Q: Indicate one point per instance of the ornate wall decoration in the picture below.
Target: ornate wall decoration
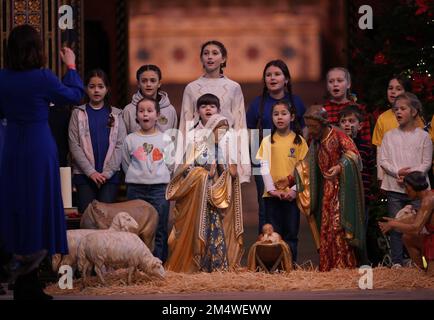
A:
(171, 38)
(43, 15)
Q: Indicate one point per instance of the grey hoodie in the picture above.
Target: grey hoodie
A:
(168, 118)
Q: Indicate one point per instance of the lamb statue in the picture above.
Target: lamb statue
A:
(121, 222)
(408, 214)
(99, 215)
(116, 249)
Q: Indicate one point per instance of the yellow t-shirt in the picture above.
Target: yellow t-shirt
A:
(385, 122)
(282, 155)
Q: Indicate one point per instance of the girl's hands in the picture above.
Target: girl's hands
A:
(67, 56)
(289, 196)
(400, 181)
(401, 174)
(98, 178)
(276, 194)
(404, 171)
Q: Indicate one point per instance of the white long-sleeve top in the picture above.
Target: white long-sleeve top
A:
(401, 149)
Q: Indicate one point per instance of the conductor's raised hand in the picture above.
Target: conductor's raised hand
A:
(67, 56)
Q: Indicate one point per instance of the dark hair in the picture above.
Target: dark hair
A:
(150, 67)
(282, 66)
(222, 50)
(403, 81)
(154, 101)
(352, 109)
(416, 180)
(296, 124)
(24, 49)
(208, 98)
(103, 76)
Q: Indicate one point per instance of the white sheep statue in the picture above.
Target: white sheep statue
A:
(99, 215)
(118, 250)
(121, 222)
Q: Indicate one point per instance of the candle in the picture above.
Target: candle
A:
(66, 185)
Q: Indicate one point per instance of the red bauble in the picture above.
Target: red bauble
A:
(380, 58)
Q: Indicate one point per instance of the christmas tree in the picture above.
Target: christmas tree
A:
(400, 42)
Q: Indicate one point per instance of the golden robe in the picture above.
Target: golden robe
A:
(197, 196)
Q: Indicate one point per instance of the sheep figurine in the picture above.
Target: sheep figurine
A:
(121, 222)
(99, 215)
(116, 249)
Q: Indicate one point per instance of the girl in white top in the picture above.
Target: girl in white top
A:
(213, 56)
(403, 150)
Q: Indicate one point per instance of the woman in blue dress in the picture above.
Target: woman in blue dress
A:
(31, 209)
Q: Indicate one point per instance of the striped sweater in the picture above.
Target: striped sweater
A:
(333, 110)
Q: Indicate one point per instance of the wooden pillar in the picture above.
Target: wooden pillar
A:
(122, 52)
(43, 16)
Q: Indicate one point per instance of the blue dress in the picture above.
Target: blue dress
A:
(31, 209)
(215, 257)
(2, 136)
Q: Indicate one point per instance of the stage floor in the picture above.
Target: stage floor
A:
(418, 294)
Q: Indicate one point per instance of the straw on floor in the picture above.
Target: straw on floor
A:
(305, 279)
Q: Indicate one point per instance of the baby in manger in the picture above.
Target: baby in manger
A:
(268, 235)
(269, 253)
